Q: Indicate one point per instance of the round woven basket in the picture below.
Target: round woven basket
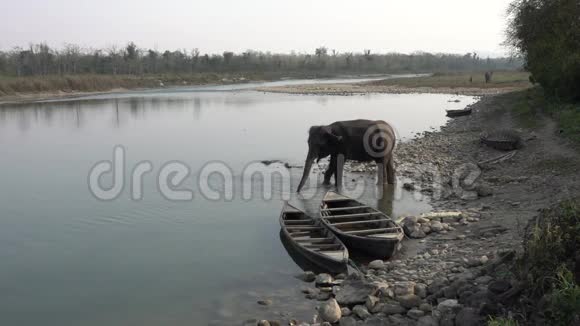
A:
(505, 140)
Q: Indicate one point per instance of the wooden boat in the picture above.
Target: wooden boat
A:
(313, 240)
(505, 140)
(360, 227)
(458, 113)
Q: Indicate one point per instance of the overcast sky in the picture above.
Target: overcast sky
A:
(213, 26)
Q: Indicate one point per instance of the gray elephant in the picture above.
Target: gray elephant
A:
(358, 140)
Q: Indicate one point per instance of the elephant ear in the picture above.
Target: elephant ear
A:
(333, 138)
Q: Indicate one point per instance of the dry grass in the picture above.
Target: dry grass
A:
(500, 79)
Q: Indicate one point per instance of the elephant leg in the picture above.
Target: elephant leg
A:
(339, 170)
(330, 171)
(381, 172)
(390, 170)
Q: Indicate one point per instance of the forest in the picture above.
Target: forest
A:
(42, 60)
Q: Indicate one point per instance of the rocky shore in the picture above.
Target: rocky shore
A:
(482, 198)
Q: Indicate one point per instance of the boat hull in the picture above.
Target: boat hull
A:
(310, 261)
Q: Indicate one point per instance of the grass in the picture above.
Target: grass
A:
(565, 300)
(529, 104)
(500, 79)
(10, 86)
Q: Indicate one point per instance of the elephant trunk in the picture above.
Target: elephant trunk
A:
(307, 167)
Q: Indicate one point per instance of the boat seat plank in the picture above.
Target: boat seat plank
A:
(344, 208)
(313, 240)
(336, 254)
(352, 215)
(371, 231)
(301, 222)
(322, 246)
(304, 228)
(362, 222)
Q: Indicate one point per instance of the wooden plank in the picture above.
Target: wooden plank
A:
(322, 246)
(332, 196)
(370, 231)
(343, 208)
(313, 240)
(387, 235)
(303, 228)
(352, 215)
(362, 222)
(294, 222)
(300, 234)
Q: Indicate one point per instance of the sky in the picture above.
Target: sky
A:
(214, 26)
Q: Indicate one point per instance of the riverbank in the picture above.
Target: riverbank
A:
(24, 89)
(462, 84)
(460, 272)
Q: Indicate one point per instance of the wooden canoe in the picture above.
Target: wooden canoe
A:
(360, 227)
(458, 113)
(313, 240)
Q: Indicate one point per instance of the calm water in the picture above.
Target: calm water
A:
(67, 258)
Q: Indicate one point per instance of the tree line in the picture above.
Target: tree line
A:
(42, 60)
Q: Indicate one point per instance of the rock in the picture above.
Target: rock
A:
(274, 323)
(393, 309)
(421, 290)
(483, 279)
(323, 279)
(427, 321)
(436, 226)
(484, 190)
(330, 311)
(361, 312)
(263, 323)
(499, 286)
(409, 301)
(447, 320)
(425, 307)
(408, 186)
(461, 237)
(469, 195)
(426, 228)
(347, 321)
(437, 285)
(468, 317)
(449, 306)
(355, 291)
(376, 264)
(265, 302)
(323, 296)
(483, 260)
(415, 313)
(345, 311)
(404, 288)
(371, 302)
(325, 323)
(417, 234)
(307, 276)
(307, 290)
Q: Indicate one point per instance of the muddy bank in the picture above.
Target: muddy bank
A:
(451, 276)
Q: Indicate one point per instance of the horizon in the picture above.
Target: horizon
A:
(452, 27)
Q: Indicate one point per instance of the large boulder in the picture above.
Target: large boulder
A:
(330, 311)
(354, 291)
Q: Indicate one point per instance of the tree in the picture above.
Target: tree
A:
(546, 33)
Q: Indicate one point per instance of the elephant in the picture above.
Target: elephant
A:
(358, 140)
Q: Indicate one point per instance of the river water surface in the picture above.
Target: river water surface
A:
(68, 258)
